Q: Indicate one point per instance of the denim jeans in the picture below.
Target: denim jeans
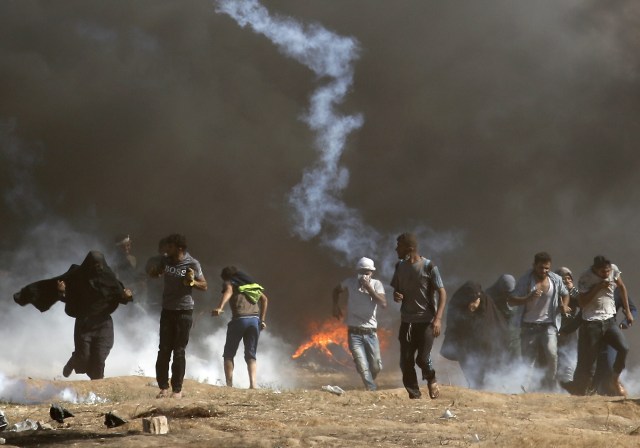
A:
(540, 347)
(592, 339)
(175, 326)
(365, 350)
(246, 329)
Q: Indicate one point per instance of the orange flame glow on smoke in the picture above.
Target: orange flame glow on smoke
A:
(333, 331)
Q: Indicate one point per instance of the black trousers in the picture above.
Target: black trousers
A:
(93, 338)
(416, 341)
(175, 326)
(594, 336)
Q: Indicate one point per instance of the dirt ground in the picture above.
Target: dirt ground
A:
(211, 416)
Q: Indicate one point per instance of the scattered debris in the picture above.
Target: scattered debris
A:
(58, 413)
(475, 438)
(155, 425)
(112, 420)
(42, 426)
(448, 414)
(26, 425)
(2, 441)
(3, 421)
(333, 389)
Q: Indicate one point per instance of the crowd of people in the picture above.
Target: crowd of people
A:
(567, 332)
(93, 290)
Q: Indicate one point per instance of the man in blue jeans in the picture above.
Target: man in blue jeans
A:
(543, 298)
(364, 294)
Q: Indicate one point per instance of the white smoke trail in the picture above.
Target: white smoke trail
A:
(318, 209)
(317, 205)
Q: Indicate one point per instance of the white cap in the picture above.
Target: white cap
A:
(366, 263)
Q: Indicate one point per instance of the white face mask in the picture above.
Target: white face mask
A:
(363, 277)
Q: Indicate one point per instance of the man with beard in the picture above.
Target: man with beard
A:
(543, 299)
(92, 293)
(364, 294)
(181, 273)
(415, 282)
(599, 327)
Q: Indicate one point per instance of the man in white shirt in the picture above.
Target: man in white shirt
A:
(596, 287)
(364, 294)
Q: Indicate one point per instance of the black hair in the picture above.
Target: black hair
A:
(178, 239)
(228, 272)
(541, 257)
(410, 239)
(600, 261)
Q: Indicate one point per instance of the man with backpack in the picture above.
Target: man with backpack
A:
(415, 283)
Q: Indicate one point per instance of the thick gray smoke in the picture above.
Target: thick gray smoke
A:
(495, 129)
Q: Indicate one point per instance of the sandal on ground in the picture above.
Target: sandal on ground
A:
(164, 393)
(434, 389)
(619, 389)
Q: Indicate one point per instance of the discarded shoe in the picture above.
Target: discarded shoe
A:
(58, 413)
(3, 421)
(337, 390)
(112, 420)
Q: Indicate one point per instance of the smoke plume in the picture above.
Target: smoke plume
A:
(292, 140)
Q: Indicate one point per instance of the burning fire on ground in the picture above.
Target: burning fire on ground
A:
(330, 337)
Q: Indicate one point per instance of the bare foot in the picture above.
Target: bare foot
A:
(164, 393)
(434, 389)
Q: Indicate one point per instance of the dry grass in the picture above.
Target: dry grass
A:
(220, 416)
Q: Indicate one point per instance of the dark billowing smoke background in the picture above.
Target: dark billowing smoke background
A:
(506, 129)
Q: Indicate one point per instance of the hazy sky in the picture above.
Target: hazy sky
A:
(496, 129)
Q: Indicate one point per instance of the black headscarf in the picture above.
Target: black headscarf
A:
(481, 332)
(92, 289)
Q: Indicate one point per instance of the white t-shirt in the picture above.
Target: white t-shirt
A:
(537, 311)
(603, 305)
(361, 308)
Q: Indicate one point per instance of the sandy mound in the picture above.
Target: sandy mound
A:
(219, 416)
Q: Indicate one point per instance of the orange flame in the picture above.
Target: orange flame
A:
(329, 332)
(333, 331)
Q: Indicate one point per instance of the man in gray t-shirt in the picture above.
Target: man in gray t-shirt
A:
(364, 294)
(416, 282)
(181, 274)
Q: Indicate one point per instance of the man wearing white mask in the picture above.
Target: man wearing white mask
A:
(364, 294)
